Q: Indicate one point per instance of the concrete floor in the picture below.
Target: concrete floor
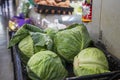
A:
(6, 65)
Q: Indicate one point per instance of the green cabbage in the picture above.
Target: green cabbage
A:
(26, 48)
(34, 43)
(46, 65)
(69, 42)
(90, 61)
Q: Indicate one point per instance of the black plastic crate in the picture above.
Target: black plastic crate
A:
(114, 66)
(45, 9)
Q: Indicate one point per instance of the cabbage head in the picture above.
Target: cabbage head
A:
(33, 43)
(90, 61)
(46, 65)
(69, 42)
(26, 48)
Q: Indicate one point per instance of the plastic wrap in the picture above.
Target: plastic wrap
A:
(62, 19)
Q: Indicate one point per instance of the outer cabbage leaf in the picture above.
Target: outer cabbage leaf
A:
(46, 65)
(90, 61)
(69, 42)
(41, 40)
(23, 32)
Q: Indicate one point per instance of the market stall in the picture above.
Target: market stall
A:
(50, 41)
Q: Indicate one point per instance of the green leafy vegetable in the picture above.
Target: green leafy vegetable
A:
(46, 65)
(90, 61)
(69, 42)
(51, 32)
(25, 9)
(26, 48)
(23, 32)
(41, 40)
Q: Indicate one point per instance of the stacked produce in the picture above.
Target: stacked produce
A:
(59, 3)
(44, 52)
(53, 7)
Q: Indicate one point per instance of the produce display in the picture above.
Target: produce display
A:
(60, 3)
(90, 61)
(46, 52)
(53, 7)
(55, 52)
(46, 65)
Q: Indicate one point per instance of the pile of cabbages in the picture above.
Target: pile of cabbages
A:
(44, 52)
